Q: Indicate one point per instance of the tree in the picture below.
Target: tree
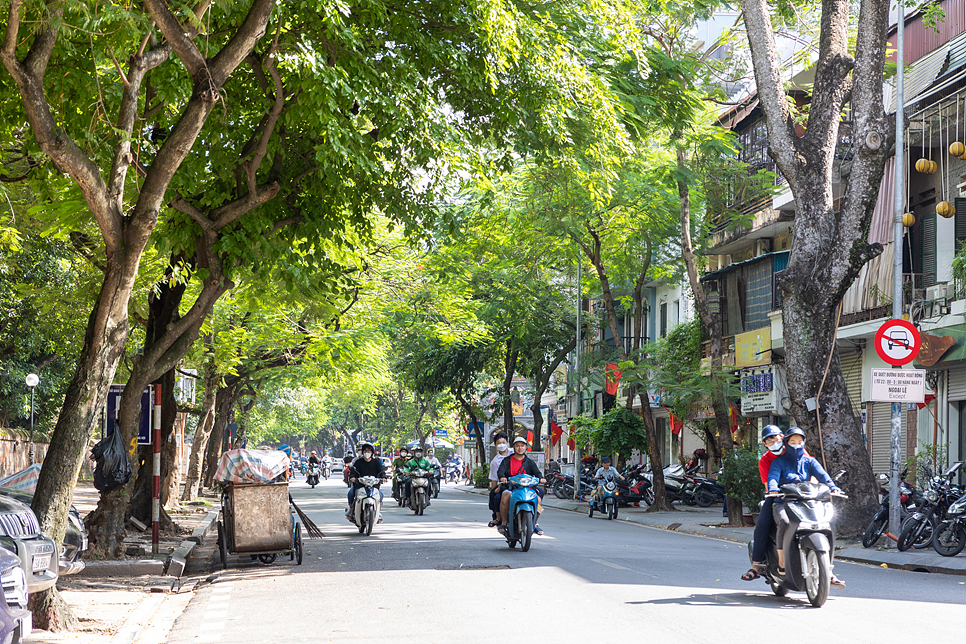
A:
(829, 236)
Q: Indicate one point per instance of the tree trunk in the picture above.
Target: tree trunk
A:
(655, 458)
(224, 414)
(510, 366)
(713, 324)
(171, 484)
(199, 444)
(143, 490)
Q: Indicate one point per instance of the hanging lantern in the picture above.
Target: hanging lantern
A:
(908, 220)
(945, 209)
(922, 165)
(963, 156)
(957, 149)
(933, 166)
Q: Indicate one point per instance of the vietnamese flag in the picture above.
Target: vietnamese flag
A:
(612, 378)
(555, 432)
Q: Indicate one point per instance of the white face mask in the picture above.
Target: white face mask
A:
(777, 447)
(501, 447)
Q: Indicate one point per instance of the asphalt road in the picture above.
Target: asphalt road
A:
(445, 576)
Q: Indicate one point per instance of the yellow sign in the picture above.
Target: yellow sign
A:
(753, 348)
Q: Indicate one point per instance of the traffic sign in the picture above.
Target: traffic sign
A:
(441, 433)
(898, 385)
(897, 342)
(474, 431)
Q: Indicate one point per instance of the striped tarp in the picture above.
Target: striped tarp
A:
(251, 466)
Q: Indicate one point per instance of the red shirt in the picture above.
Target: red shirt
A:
(518, 466)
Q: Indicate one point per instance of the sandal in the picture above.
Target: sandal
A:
(492, 523)
(501, 529)
(751, 575)
(537, 529)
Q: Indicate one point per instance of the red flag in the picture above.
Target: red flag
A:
(929, 399)
(571, 444)
(555, 432)
(676, 425)
(733, 417)
(612, 378)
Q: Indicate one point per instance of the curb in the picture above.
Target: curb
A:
(130, 568)
(202, 529)
(179, 558)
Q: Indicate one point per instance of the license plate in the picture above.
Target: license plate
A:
(41, 562)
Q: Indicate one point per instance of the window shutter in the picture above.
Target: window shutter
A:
(960, 224)
(928, 250)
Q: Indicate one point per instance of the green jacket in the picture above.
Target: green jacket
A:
(418, 464)
(398, 464)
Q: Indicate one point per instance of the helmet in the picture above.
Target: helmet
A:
(313, 452)
(606, 459)
(795, 431)
(520, 439)
(770, 430)
(362, 446)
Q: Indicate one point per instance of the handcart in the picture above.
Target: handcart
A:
(257, 521)
(256, 515)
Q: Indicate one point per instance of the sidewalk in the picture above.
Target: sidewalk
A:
(136, 599)
(708, 522)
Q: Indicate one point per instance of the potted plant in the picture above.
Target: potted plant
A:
(741, 476)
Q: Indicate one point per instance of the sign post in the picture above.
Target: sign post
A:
(156, 482)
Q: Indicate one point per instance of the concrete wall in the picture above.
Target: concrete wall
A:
(14, 455)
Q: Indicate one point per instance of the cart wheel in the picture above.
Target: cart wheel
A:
(222, 547)
(298, 543)
(267, 559)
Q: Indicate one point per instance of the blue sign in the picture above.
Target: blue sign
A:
(441, 433)
(474, 431)
(114, 403)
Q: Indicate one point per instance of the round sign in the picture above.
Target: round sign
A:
(897, 342)
(32, 380)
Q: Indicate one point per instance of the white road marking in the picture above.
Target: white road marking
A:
(607, 563)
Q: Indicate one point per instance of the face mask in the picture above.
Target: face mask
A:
(797, 450)
(367, 455)
(776, 447)
(501, 447)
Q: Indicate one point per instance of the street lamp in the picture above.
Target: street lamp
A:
(32, 381)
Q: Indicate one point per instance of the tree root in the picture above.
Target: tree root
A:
(51, 612)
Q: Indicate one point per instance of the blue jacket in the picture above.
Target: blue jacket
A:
(788, 469)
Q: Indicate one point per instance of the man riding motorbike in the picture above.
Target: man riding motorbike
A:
(417, 462)
(365, 465)
(397, 466)
(519, 463)
(794, 466)
(604, 473)
(314, 458)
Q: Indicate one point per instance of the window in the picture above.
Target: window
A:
(677, 312)
(663, 319)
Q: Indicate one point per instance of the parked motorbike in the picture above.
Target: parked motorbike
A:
(808, 544)
(312, 475)
(522, 514)
(707, 492)
(919, 529)
(605, 501)
(419, 490)
(367, 505)
(951, 534)
(635, 490)
(880, 520)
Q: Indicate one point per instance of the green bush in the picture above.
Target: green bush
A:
(481, 476)
(741, 476)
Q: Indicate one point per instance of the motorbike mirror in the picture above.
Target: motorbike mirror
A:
(883, 477)
(838, 475)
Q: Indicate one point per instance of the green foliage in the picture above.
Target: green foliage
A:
(921, 463)
(743, 479)
(619, 431)
(959, 269)
(481, 476)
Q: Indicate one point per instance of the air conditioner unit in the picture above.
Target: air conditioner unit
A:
(940, 291)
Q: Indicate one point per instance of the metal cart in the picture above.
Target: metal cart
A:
(258, 521)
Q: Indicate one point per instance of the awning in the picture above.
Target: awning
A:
(920, 76)
(736, 115)
(781, 256)
(954, 355)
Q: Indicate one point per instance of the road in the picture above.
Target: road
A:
(445, 576)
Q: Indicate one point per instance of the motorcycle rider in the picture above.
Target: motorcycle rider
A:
(397, 465)
(771, 438)
(794, 466)
(519, 463)
(604, 473)
(314, 458)
(417, 462)
(365, 465)
(502, 445)
(434, 462)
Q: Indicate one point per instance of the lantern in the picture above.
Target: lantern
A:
(957, 149)
(945, 209)
(933, 166)
(908, 220)
(922, 165)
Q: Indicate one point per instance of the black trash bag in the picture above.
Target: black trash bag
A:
(113, 467)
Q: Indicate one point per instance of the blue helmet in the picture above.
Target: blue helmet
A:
(795, 431)
(770, 430)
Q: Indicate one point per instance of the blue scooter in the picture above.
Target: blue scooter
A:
(605, 502)
(523, 510)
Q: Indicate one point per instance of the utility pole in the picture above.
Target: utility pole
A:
(580, 306)
(897, 264)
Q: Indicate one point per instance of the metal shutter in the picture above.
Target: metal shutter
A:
(881, 432)
(956, 389)
(851, 362)
(927, 248)
(960, 224)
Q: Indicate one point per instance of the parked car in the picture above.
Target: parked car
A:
(75, 539)
(16, 621)
(20, 534)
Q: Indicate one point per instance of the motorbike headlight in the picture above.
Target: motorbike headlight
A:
(931, 495)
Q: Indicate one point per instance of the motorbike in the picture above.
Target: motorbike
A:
(951, 534)
(920, 528)
(880, 520)
(434, 483)
(522, 515)
(312, 475)
(707, 492)
(452, 472)
(636, 489)
(326, 471)
(808, 543)
(367, 505)
(605, 501)
(400, 488)
(419, 490)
